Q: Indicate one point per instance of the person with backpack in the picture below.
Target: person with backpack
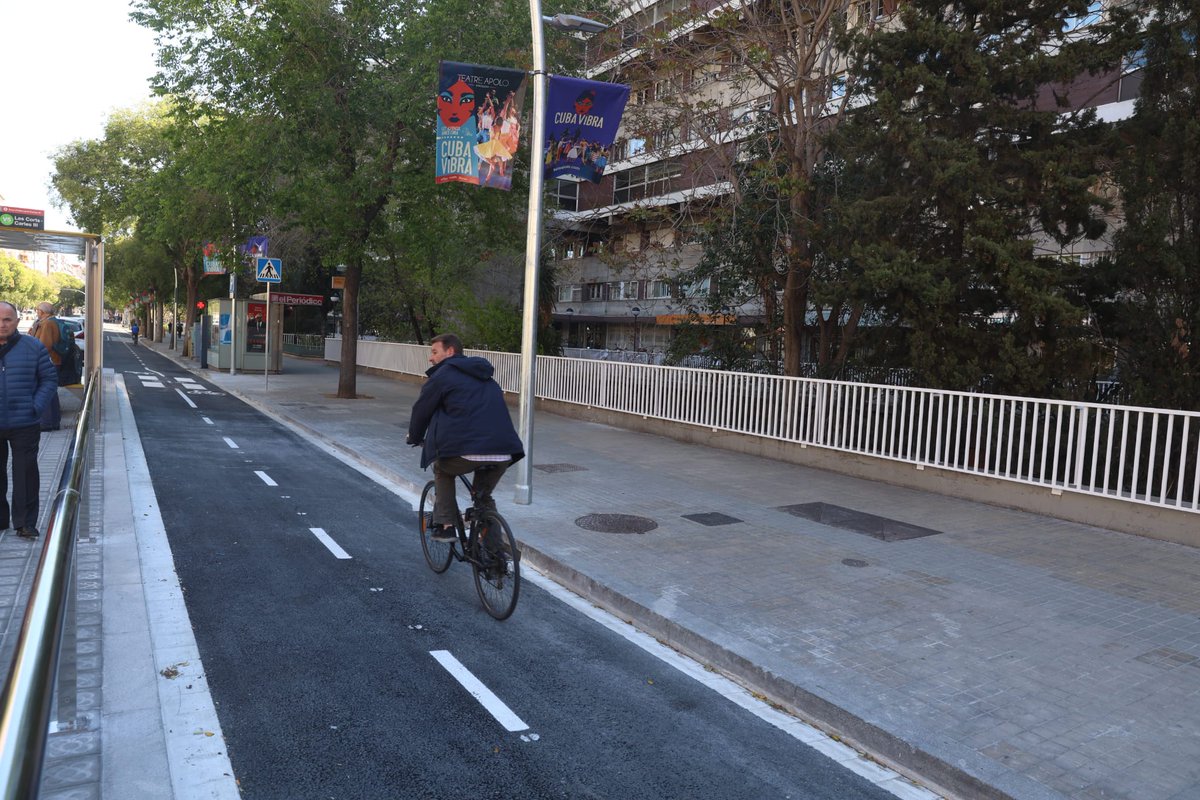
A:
(47, 331)
(134, 330)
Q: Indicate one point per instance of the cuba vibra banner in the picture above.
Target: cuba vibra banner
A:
(582, 118)
(478, 123)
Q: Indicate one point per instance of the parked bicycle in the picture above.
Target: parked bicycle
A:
(485, 542)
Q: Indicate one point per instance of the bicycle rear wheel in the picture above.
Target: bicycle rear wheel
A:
(437, 554)
(498, 570)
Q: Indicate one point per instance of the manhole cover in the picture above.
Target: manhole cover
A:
(559, 468)
(616, 523)
(854, 562)
(889, 530)
(712, 518)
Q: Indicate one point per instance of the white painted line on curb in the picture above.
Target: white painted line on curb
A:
(878, 774)
(265, 478)
(328, 541)
(186, 399)
(494, 705)
(230, 442)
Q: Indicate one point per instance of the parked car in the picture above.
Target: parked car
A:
(77, 326)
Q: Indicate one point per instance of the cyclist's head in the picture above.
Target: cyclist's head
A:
(449, 341)
(443, 346)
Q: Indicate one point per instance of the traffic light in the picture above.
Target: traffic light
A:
(200, 304)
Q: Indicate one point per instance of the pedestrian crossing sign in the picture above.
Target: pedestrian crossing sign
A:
(269, 270)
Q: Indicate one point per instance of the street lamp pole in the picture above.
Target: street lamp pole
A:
(533, 237)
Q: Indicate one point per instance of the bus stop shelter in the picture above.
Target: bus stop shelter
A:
(88, 248)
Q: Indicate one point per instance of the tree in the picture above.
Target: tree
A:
(344, 87)
(780, 85)
(1150, 288)
(22, 286)
(961, 184)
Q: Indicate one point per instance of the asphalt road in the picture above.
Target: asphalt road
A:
(325, 639)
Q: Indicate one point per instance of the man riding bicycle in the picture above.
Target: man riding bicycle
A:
(463, 425)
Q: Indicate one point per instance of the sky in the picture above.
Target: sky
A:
(65, 65)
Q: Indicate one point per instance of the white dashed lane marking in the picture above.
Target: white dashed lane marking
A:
(328, 541)
(230, 442)
(494, 705)
(265, 478)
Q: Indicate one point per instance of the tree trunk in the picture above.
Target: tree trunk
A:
(348, 370)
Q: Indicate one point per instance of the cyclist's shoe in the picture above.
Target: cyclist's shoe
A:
(439, 534)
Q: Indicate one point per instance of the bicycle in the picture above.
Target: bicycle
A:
(485, 542)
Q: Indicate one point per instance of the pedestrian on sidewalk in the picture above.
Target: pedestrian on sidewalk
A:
(463, 425)
(27, 382)
(47, 332)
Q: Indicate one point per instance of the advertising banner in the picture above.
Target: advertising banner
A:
(256, 327)
(255, 247)
(582, 118)
(478, 124)
(212, 260)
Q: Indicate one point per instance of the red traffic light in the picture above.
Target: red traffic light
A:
(200, 305)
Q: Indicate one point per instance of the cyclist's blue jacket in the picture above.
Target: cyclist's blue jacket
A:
(461, 412)
(28, 381)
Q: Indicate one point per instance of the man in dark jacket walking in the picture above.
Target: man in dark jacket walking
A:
(462, 422)
(27, 382)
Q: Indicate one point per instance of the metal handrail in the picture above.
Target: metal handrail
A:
(29, 691)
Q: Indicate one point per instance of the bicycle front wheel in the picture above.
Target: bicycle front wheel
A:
(437, 554)
(498, 568)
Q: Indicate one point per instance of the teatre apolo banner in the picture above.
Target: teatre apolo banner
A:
(478, 123)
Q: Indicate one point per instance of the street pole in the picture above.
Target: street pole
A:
(232, 322)
(533, 249)
(174, 306)
(533, 235)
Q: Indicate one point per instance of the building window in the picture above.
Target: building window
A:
(658, 290)
(623, 290)
(595, 291)
(700, 288)
(645, 181)
(1089, 17)
(564, 195)
(570, 293)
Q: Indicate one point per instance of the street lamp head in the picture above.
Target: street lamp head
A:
(570, 311)
(571, 22)
(635, 311)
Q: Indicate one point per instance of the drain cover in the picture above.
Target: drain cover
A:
(616, 523)
(712, 518)
(889, 530)
(559, 468)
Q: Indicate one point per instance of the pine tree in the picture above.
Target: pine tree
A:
(972, 173)
(1152, 282)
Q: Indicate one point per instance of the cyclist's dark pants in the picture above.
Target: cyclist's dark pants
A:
(445, 470)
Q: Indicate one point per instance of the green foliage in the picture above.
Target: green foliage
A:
(1148, 293)
(22, 286)
(955, 173)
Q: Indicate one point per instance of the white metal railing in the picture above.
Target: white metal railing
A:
(1141, 455)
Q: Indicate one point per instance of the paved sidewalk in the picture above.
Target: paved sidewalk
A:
(1004, 654)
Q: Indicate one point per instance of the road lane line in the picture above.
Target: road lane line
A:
(231, 442)
(208, 421)
(186, 399)
(328, 541)
(265, 478)
(494, 705)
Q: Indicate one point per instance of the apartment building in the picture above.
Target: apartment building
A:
(621, 246)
